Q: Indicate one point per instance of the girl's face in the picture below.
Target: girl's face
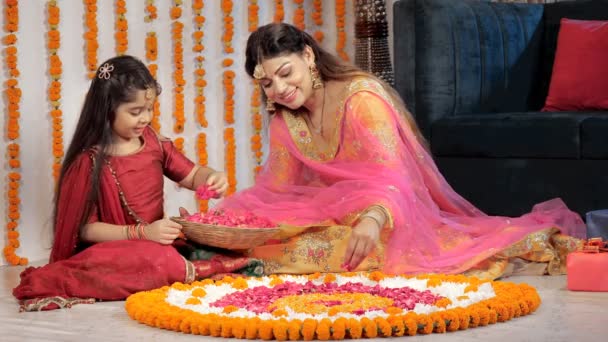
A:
(287, 79)
(132, 117)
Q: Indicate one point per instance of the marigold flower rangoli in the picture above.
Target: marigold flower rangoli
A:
(331, 306)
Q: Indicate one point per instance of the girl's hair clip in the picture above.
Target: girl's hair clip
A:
(105, 71)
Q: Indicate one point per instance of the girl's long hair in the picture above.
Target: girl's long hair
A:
(125, 75)
(279, 39)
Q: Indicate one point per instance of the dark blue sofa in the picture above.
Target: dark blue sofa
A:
(475, 74)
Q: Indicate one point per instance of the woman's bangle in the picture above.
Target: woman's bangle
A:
(380, 225)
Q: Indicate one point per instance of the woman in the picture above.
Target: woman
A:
(349, 167)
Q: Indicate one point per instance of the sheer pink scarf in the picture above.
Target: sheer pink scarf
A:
(376, 159)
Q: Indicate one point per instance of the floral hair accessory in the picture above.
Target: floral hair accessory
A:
(258, 72)
(104, 71)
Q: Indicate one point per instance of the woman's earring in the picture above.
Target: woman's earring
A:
(270, 105)
(317, 82)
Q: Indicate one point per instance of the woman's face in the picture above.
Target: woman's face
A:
(287, 79)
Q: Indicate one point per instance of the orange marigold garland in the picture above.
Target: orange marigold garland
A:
(90, 36)
(54, 91)
(256, 117)
(228, 80)
(230, 159)
(13, 96)
(179, 144)
(279, 11)
(253, 17)
(178, 62)
(340, 24)
(317, 18)
(299, 15)
(120, 36)
(199, 71)
(151, 11)
(151, 44)
(203, 160)
(328, 314)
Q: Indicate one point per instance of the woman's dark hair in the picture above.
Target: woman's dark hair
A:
(116, 82)
(280, 39)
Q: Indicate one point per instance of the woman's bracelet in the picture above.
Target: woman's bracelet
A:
(380, 225)
(135, 232)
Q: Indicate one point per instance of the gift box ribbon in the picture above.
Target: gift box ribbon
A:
(595, 245)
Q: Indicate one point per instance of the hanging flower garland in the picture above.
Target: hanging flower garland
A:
(179, 144)
(256, 122)
(228, 80)
(256, 116)
(151, 57)
(201, 145)
(121, 37)
(299, 15)
(340, 24)
(90, 36)
(230, 159)
(331, 306)
(317, 18)
(54, 91)
(199, 70)
(253, 17)
(178, 62)
(13, 95)
(151, 11)
(279, 11)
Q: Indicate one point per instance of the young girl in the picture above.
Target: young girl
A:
(111, 239)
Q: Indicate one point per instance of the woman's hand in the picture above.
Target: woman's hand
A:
(218, 182)
(163, 231)
(362, 242)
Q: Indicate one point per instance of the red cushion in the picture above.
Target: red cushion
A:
(580, 72)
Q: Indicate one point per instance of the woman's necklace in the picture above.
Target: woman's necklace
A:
(319, 130)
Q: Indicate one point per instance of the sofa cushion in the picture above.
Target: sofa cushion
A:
(580, 72)
(509, 135)
(594, 137)
(553, 13)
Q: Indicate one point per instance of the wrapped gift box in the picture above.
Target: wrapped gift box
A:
(588, 269)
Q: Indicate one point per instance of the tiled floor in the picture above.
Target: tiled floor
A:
(563, 316)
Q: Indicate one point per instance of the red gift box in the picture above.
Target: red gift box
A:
(588, 269)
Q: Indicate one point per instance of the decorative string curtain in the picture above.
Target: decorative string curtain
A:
(371, 39)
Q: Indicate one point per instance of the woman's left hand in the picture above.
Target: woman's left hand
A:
(362, 242)
(218, 182)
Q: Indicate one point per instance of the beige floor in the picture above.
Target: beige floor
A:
(563, 316)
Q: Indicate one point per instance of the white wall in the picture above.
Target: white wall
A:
(36, 189)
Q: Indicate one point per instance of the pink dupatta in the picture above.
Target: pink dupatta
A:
(375, 158)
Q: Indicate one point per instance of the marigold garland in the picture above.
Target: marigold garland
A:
(178, 62)
(253, 15)
(279, 11)
(54, 90)
(179, 144)
(90, 36)
(317, 18)
(121, 26)
(153, 308)
(230, 159)
(13, 95)
(340, 24)
(151, 45)
(151, 11)
(201, 147)
(256, 116)
(299, 15)
(199, 70)
(228, 81)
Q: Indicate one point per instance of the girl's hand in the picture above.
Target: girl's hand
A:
(218, 182)
(163, 231)
(362, 242)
